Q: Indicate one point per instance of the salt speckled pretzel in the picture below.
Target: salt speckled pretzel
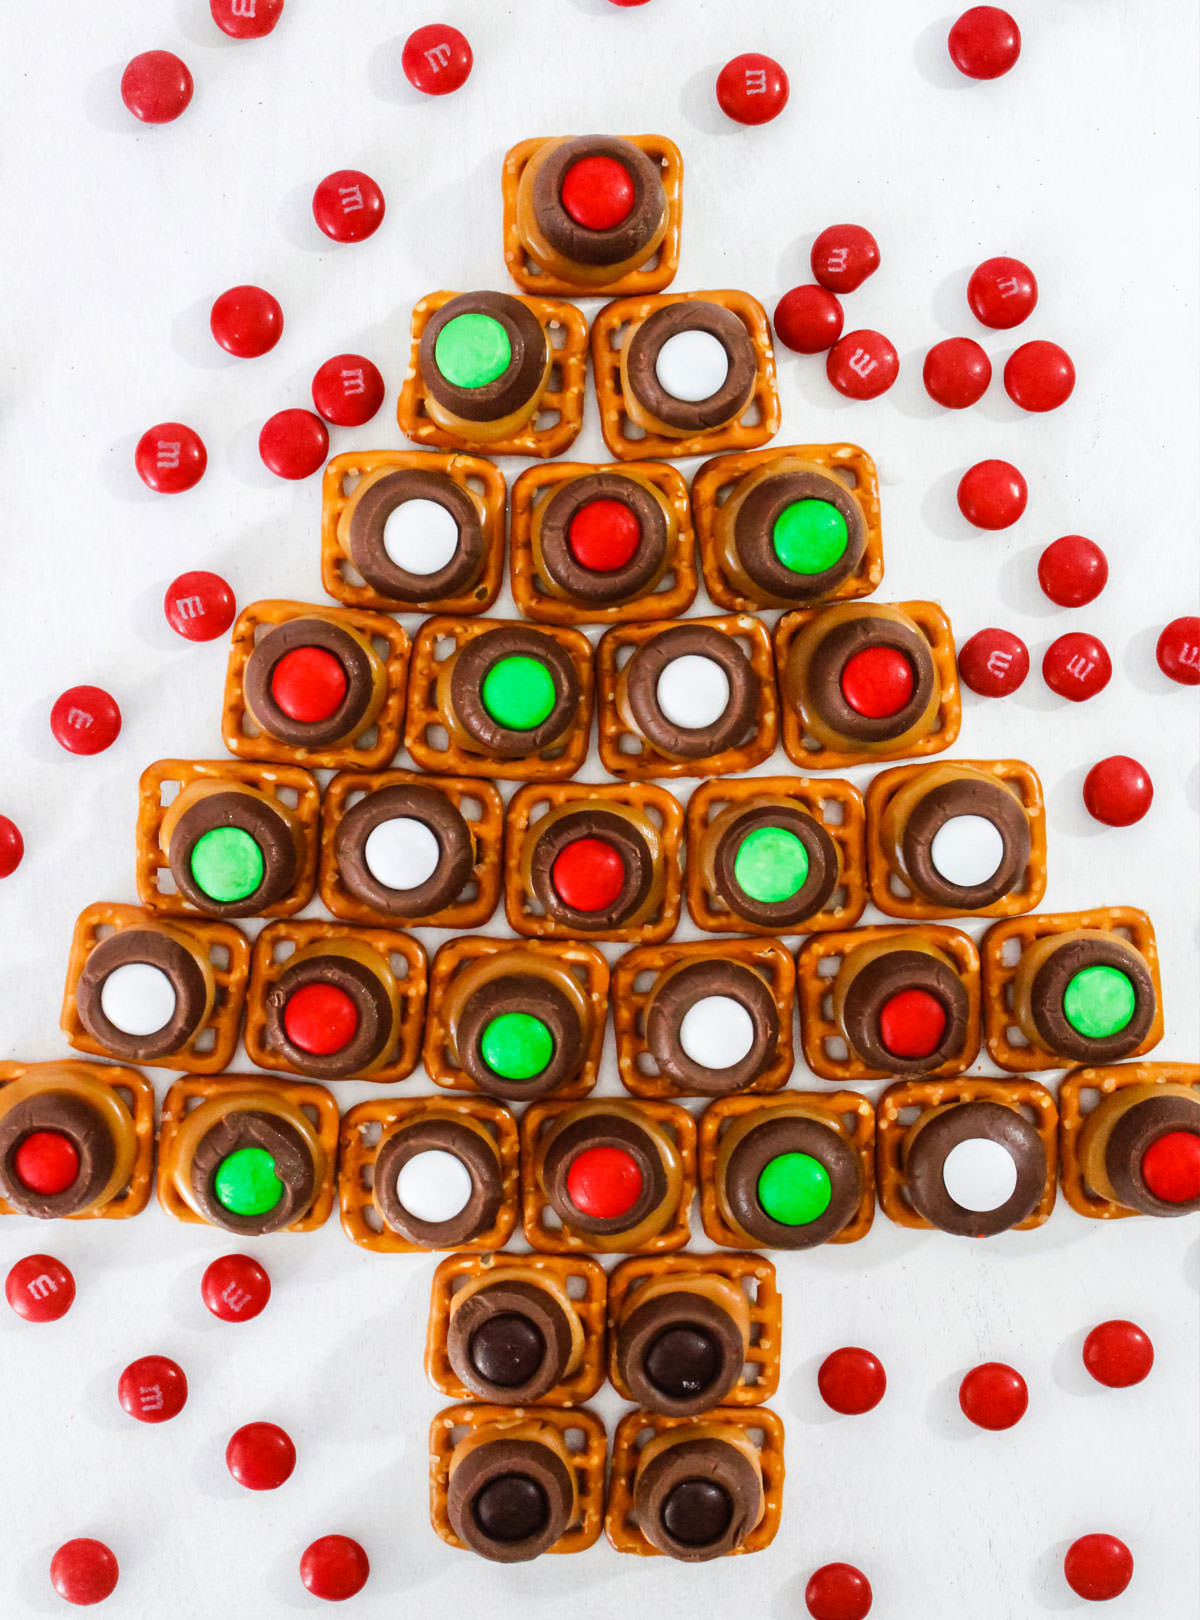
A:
(674, 593)
(652, 277)
(363, 1130)
(559, 759)
(377, 744)
(752, 1273)
(815, 995)
(567, 333)
(625, 753)
(583, 1280)
(889, 891)
(270, 957)
(635, 1063)
(481, 807)
(914, 1096)
(482, 481)
(137, 1094)
(547, 1239)
(804, 749)
(211, 1049)
(756, 423)
(716, 480)
(835, 804)
(312, 1100)
(1002, 948)
(1078, 1094)
(758, 1424)
(853, 1113)
(529, 804)
(295, 790)
(584, 962)
(589, 1452)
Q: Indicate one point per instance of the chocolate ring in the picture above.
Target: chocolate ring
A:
(471, 666)
(602, 1130)
(509, 1500)
(691, 315)
(1049, 987)
(924, 1163)
(65, 1114)
(429, 806)
(439, 1135)
(823, 686)
(367, 545)
(598, 247)
(679, 1353)
(592, 822)
(675, 995)
(526, 993)
(259, 820)
(156, 949)
(588, 584)
(1132, 1136)
(698, 1499)
(374, 1030)
(966, 797)
(813, 895)
(517, 383)
(509, 1341)
(737, 722)
(288, 637)
(753, 535)
(253, 1128)
(792, 1133)
(885, 976)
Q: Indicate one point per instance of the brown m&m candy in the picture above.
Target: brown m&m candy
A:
(959, 837)
(233, 850)
(688, 367)
(248, 1160)
(144, 991)
(485, 361)
(512, 692)
(770, 862)
(901, 1004)
(611, 1173)
(787, 1177)
(1140, 1148)
(698, 1491)
(437, 1179)
(513, 1334)
(712, 1025)
(68, 1143)
(519, 1023)
(405, 851)
(334, 1010)
(973, 1168)
(1085, 996)
(313, 682)
(681, 1341)
(591, 208)
(417, 535)
(596, 866)
(511, 1490)
(691, 692)
(603, 538)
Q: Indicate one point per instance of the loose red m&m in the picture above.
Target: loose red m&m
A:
(862, 364)
(1118, 1354)
(838, 1592)
(1098, 1567)
(992, 494)
(156, 87)
(808, 319)
(588, 874)
(752, 89)
(877, 682)
(348, 390)
(85, 720)
(912, 1024)
(12, 847)
(293, 444)
(199, 606)
(84, 1571)
(993, 662)
(437, 59)
(170, 457)
(1178, 651)
(334, 1568)
(1118, 791)
(604, 535)
(604, 1182)
(1072, 570)
(235, 1288)
(47, 1162)
(956, 373)
(1002, 292)
(1171, 1167)
(246, 19)
(153, 1389)
(348, 206)
(261, 1456)
(597, 192)
(851, 1380)
(308, 684)
(984, 43)
(320, 1018)
(993, 1396)
(843, 256)
(1077, 666)
(1039, 376)
(40, 1288)
(246, 321)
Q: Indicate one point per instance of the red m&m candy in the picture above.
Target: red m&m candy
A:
(308, 684)
(437, 59)
(1077, 666)
(1118, 1354)
(1039, 376)
(40, 1288)
(838, 1592)
(993, 1396)
(246, 19)
(752, 89)
(984, 43)
(993, 662)
(334, 1568)
(1178, 651)
(348, 390)
(862, 364)
(246, 321)
(956, 373)
(808, 319)
(1002, 292)
(992, 494)
(320, 1018)
(598, 192)
(261, 1456)
(199, 606)
(12, 847)
(348, 206)
(604, 1182)
(1072, 570)
(588, 874)
(153, 1389)
(877, 682)
(84, 1571)
(1171, 1167)
(170, 457)
(851, 1381)
(1098, 1567)
(47, 1162)
(293, 444)
(1118, 791)
(156, 87)
(235, 1288)
(85, 720)
(604, 535)
(912, 1023)
(843, 256)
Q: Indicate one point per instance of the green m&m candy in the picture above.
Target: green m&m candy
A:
(1099, 1001)
(246, 1183)
(794, 1189)
(771, 865)
(518, 692)
(516, 1046)
(472, 350)
(810, 536)
(227, 864)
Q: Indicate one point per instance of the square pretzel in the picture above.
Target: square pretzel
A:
(582, 1432)
(757, 423)
(893, 896)
(378, 743)
(1078, 1094)
(911, 1097)
(269, 958)
(803, 749)
(185, 1094)
(562, 401)
(757, 1423)
(536, 1214)
(136, 1092)
(658, 272)
(1006, 942)
(751, 1273)
(716, 480)
(211, 1049)
(836, 804)
(294, 789)
(437, 642)
(526, 808)
(638, 1070)
(817, 964)
(627, 754)
(480, 479)
(364, 1129)
(583, 1281)
(674, 593)
(855, 1118)
(585, 963)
